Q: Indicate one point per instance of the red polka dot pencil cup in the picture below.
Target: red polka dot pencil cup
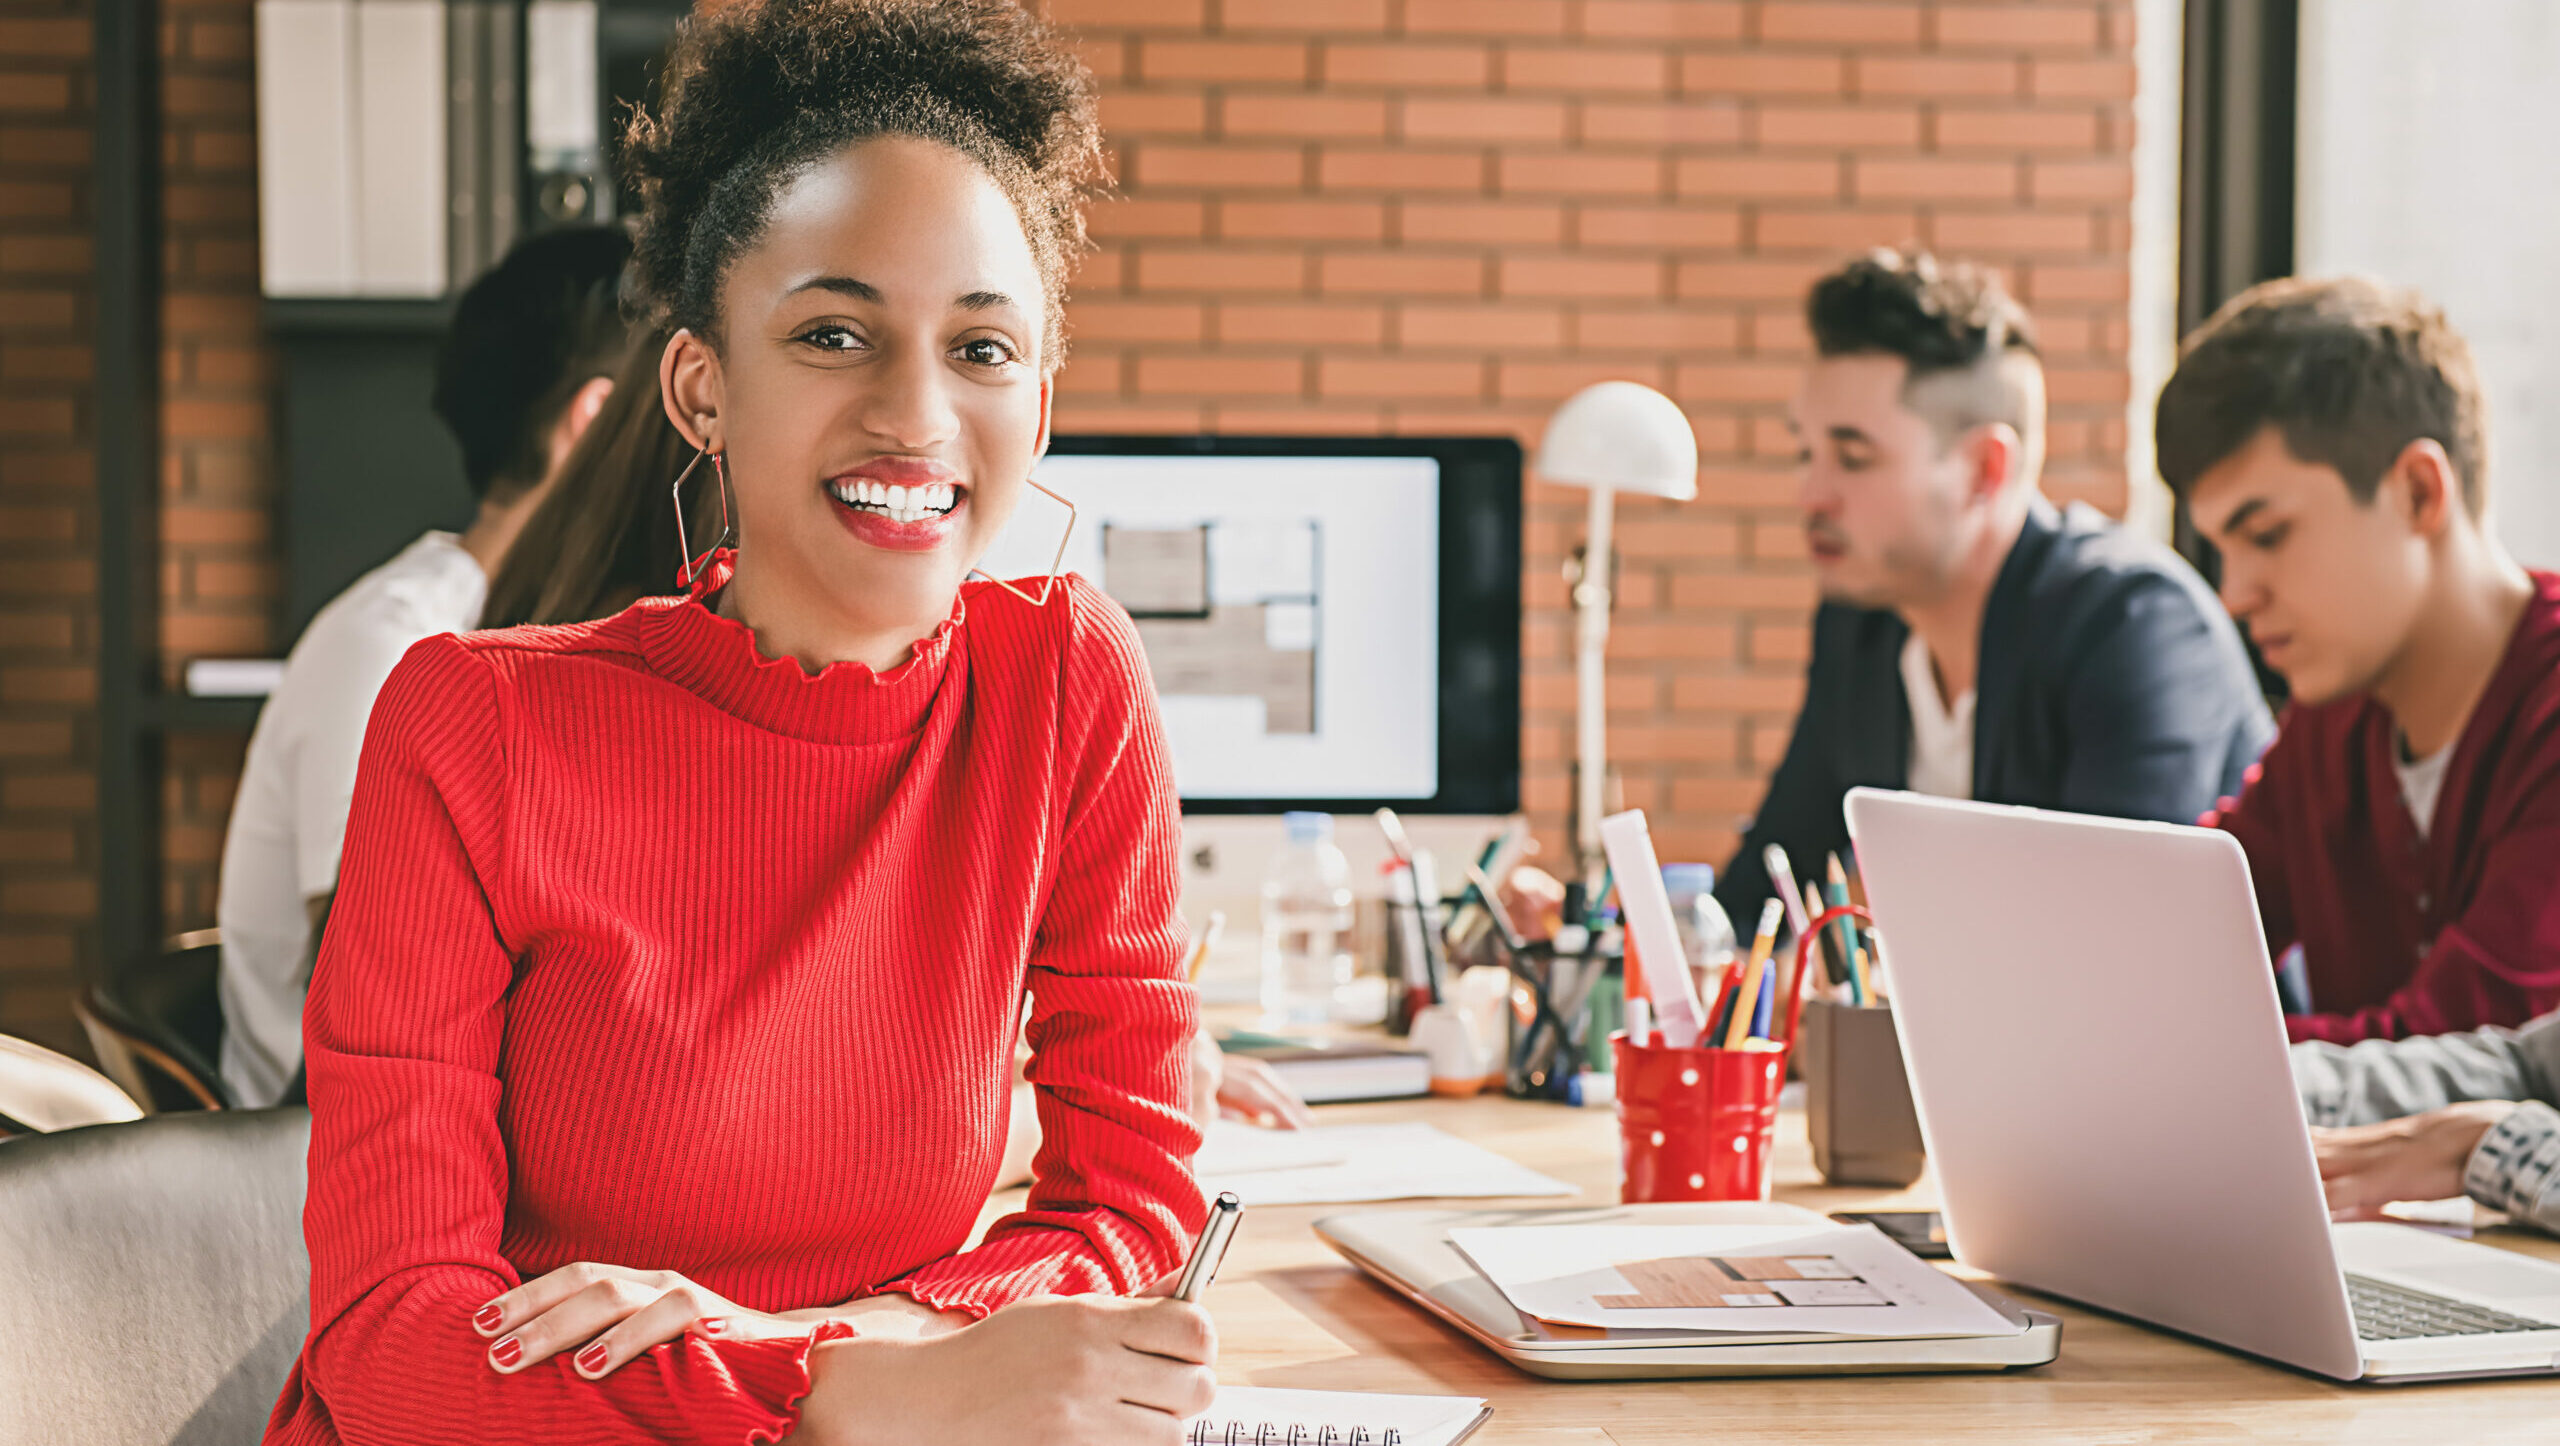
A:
(1700, 1122)
(1696, 1124)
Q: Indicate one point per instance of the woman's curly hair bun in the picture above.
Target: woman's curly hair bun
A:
(758, 90)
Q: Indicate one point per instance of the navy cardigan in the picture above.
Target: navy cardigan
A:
(2111, 682)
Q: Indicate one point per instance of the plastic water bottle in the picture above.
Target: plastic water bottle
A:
(1306, 925)
(1706, 935)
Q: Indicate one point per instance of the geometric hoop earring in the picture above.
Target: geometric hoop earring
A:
(1051, 580)
(684, 548)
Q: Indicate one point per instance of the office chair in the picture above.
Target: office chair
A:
(41, 1091)
(156, 1026)
(153, 1285)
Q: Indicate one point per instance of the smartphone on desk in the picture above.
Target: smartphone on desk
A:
(1922, 1232)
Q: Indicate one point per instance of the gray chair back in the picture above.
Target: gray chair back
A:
(153, 1285)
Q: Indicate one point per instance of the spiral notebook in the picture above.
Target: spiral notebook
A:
(1263, 1416)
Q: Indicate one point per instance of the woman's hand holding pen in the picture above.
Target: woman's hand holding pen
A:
(1063, 1371)
(609, 1314)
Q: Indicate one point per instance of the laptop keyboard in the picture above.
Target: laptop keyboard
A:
(2392, 1313)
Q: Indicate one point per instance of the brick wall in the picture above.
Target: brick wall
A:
(1446, 215)
(219, 575)
(48, 582)
(1336, 215)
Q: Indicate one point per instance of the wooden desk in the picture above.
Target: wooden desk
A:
(1292, 1313)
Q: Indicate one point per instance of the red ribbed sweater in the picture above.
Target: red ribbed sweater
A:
(651, 951)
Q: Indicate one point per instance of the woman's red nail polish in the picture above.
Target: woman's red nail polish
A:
(591, 1360)
(507, 1352)
(489, 1317)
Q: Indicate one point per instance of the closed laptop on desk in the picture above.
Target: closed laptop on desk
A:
(2097, 1055)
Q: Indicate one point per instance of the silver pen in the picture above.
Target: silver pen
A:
(1211, 1248)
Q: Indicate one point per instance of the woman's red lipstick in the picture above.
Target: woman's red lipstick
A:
(899, 504)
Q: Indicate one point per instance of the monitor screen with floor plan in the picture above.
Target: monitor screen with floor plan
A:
(1314, 610)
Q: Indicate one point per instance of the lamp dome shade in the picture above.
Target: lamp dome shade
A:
(1623, 436)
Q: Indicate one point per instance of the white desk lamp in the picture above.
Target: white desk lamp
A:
(1610, 437)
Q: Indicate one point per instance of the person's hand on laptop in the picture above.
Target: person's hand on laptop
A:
(2419, 1157)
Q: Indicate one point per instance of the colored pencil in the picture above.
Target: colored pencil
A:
(1771, 913)
(1208, 941)
(1836, 893)
(1782, 877)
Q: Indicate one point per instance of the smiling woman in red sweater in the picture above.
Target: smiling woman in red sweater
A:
(660, 1047)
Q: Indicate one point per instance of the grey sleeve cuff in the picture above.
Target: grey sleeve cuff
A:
(2516, 1167)
(2537, 1047)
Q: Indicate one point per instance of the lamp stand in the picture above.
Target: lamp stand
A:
(1591, 604)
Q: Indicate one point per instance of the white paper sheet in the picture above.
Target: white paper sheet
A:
(1236, 1148)
(1749, 1278)
(1422, 1420)
(1374, 1162)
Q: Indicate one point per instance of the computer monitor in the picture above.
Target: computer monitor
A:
(1333, 623)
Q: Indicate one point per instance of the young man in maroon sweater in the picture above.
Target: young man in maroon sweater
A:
(2404, 829)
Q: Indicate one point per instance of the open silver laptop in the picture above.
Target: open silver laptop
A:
(2090, 1022)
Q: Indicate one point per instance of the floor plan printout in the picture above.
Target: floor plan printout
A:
(1226, 610)
(1756, 1279)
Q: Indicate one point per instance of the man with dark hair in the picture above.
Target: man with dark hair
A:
(2329, 437)
(524, 367)
(1975, 641)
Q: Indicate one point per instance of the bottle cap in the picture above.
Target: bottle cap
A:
(1308, 828)
(1689, 878)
